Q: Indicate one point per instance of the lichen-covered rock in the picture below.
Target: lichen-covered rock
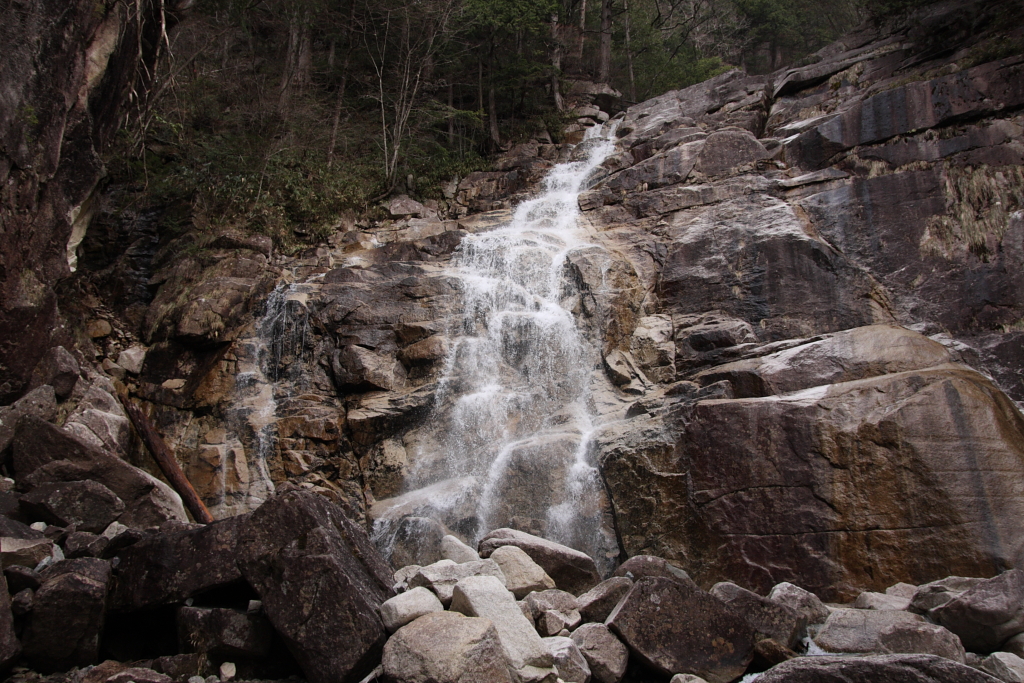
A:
(674, 627)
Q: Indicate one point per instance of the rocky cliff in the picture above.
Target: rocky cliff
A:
(782, 342)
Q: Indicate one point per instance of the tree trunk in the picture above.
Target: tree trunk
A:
(604, 65)
(556, 64)
(629, 55)
(583, 31)
(451, 115)
(492, 114)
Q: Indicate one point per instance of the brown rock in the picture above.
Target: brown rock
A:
(45, 454)
(68, 613)
(921, 638)
(59, 369)
(224, 633)
(321, 581)
(571, 570)
(987, 615)
(606, 656)
(597, 603)
(674, 627)
(88, 505)
(889, 668)
(10, 648)
(641, 566)
(859, 630)
(807, 604)
(41, 402)
(171, 567)
(769, 619)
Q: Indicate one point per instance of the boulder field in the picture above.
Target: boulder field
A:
(804, 294)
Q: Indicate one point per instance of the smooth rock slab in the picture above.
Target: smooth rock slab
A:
(677, 628)
(881, 601)
(455, 550)
(572, 570)
(858, 630)
(605, 654)
(1007, 667)
(987, 615)
(522, 575)
(487, 597)
(921, 638)
(445, 647)
(875, 669)
(406, 607)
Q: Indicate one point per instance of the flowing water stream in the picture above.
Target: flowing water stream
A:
(513, 412)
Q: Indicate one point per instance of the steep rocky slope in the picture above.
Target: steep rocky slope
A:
(802, 294)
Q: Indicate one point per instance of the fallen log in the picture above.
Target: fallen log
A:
(166, 461)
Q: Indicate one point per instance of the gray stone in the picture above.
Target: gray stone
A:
(446, 647)
(921, 638)
(40, 402)
(402, 577)
(553, 611)
(1015, 645)
(487, 597)
(935, 594)
(570, 663)
(1005, 666)
(442, 576)
(572, 570)
(888, 668)
(881, 601)
(455, 550)
(59, 369)
(858, 630)
(132, 358)
(687, 678)
(398, 611)
(802, 601)
(597, 603)
(522, 574)
(24, 552)
(987, 615)
(605, 654)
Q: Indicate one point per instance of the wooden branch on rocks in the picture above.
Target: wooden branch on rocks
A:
(165, 459)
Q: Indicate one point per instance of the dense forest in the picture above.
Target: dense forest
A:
(281, 115)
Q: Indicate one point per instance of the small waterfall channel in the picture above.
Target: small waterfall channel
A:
(513, 413)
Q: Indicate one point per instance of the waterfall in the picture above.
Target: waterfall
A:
(513, 412)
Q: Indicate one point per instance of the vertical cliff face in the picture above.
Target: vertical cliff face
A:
(68, 68)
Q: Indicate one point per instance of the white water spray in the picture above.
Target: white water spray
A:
(513, 408)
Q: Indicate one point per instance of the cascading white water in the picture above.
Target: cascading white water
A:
(513, 410)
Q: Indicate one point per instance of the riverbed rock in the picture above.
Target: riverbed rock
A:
(398, 611)
(572, 570)
(455, 550)
(921, 638)
(88, 505)
(25, 552)
(10, 648)
(525, 652)
(987, 615)
(57, 368)
(881, 601)
(442, 576)
(45, 454)
(445, 647)
(225, 633)
(597, 603)
(606, 656)
(169, 568)
(674, 627)
(1007, 667)
(895, 668)
(522, 574)
(935, 594)
(298, 546)
(857, 630)
(552, 611)
(572, 667)
(68, 613)
(41, 402)
(640, 566)
(806, 603)
(768, 618)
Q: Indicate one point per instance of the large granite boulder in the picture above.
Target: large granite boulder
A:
(674, 627)
(445, 647)
(987, 615)
(322, 583)
(10, 648)
(88, 505)
(45, 454)
(68, 614)
(768, 618)
(168, 568)
(224, 633)
(889, 668)
(572, 570)
(606, 656)
(860, 630)
(598, 602)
